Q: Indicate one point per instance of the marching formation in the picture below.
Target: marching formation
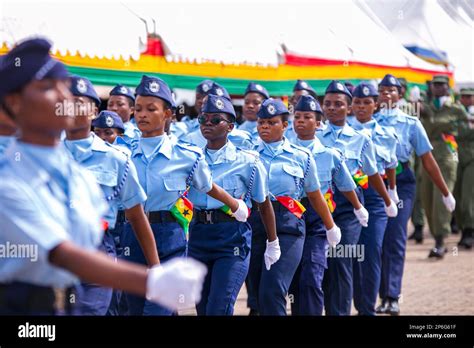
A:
(132, 212)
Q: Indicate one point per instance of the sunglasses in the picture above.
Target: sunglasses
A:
(215, 120)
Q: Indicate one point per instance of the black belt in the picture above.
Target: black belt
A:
(305, 202)
(212, 216)
(161, 216)
(277, 206)
(27, 299)
(121, 217)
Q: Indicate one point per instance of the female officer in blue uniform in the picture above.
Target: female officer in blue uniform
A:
(291, 173)
(360, 159)
(51, 204)
(238, 137)
(367, 272)
(121, 101)
(216, 238)
(306, 288)
(165, 170)
(412, 137)
(117, 177)
(254, 96)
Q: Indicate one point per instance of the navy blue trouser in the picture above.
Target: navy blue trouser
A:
(337, 282)
(93, 299)
(367, 272)
(225, 249)
(268, 289)
(306, 287)
(170, 242)
(394, 242)
(118, 303)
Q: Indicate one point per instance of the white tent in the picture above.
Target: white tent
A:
(102, 29)
(434, 25)
(350, 29)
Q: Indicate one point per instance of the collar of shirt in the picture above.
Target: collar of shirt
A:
(82, 149)
(314, 145)
(372, 125)
(286, 146)
(130, 129)
(164, 147)
(227, 153)
(345, 130)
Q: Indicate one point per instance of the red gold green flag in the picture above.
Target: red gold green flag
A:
(361, 179)
(329, 197)
(292, 205)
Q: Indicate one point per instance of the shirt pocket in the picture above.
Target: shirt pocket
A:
(383, 153)
(174, 184)
(234, 187)
(352, 160)
(325, 179)
(105, 177)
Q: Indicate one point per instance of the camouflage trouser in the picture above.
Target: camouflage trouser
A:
(464, 193)
(439, 218)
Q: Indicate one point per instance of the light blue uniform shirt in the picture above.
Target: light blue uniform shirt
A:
(108, 164)
(330, 165)
(238, 137)
(231, 169)
(192, 124)
(178, 129)
(163, 168)
(290, 133)
(45, 199)
(357, 148)
(385, 142)
(411, 133)
(130, 136)
(251, 128)
(286, 165)
(5, 140)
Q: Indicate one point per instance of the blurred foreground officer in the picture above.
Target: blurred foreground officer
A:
(359, 154)
(121, 100)
(52, 206)
(443, 121)
(291, 174)
(306, 286)
(367, 272)
(117, 177)
(216, 238)
(166, 171)
(7, 130)
(411, 137)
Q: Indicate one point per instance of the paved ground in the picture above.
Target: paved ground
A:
(429, 287)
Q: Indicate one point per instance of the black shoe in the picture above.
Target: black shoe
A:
(454, 226)
(438, 252)
(417, 235)
(382, 309)
(467, 238)
(393, 308)
(253, 312)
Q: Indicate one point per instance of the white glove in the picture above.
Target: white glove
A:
(393, 195)
(242, 212)
(362, 215)
(415, 94)
(272, 253)
(391, 210)
(449, 202)
(333, 236)
(177, 284)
